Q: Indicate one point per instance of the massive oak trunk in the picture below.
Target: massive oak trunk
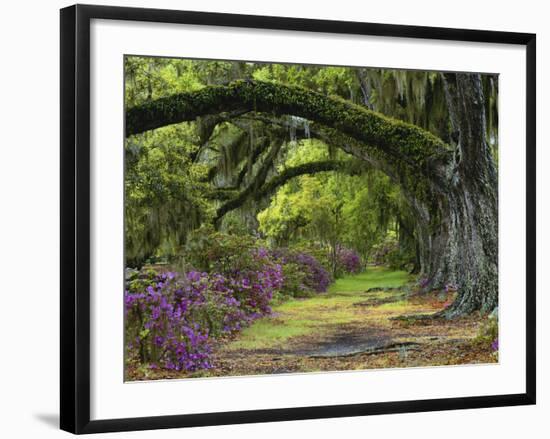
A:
(451, 188)
(468, 236)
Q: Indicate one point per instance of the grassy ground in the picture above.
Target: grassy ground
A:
(351, 328)
(318, 315)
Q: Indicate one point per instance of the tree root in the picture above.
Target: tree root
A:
(392, 347)
(439, 315)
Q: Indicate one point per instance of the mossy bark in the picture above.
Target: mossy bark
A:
(468, 234)
(400, 142)
(458, 230)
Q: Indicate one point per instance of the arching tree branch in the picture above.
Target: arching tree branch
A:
(279, 127)
(252, 192)
(344, 166)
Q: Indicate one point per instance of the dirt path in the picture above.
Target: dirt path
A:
(352, 327)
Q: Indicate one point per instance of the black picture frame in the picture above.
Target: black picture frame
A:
(75, 217)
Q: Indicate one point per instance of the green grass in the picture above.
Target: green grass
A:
(298, 317)
(373, 277)
(265, 333)
(401, 304)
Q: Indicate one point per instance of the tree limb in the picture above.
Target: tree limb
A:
(257, 193)
(400, 141)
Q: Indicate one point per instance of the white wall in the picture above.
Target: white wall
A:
(29, 236)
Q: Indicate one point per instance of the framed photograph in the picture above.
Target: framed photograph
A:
(268, 219)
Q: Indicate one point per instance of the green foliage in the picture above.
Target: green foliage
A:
(151, 78)
(371, 212)
(212, 251)
(331, 209)
(139, 280)
(308, 208)
(163, 194)
(487, 335)
(398, 258)
(293, 286)
(388, 252)
(315, 249)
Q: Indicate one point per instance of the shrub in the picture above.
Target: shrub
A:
(381, 251)
(254, 286)
(304, 273)
(389, 253)
(216, 252)
(294, 282)
(171, 318)
(160, 327)
(348, 260)
(317, 278)
(318, 251)
(488, 333)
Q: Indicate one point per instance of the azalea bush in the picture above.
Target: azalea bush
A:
(251, 273)
(317, 278)
(316, 250)
(303, 273)
(217, 252)
(162, 328)
(172, 318)
(348, 260)
(255, 285)
(242, 255)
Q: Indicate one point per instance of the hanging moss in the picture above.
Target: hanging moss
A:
(258, 180)
(236, 199)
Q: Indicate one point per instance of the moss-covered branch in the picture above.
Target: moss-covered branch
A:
(257, 192)
(346, 167)
(405, 142)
